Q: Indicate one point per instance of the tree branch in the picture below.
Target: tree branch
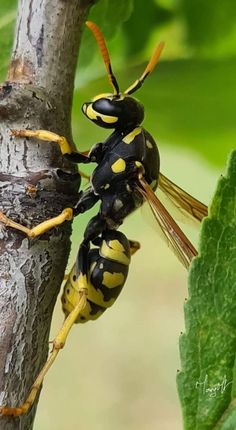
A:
(37, 95)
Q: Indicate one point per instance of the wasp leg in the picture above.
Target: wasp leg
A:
(65, 147)
(134, 246)
(95, 226)
(58, 344)
(65, 215)
(95, 155)
(86, 201)
(70, 177)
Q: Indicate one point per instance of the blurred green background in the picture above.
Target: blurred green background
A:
(119, 372)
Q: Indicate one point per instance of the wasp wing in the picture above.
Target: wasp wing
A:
(184, 207)
(174, 236)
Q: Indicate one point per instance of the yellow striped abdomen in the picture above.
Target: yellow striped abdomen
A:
(108, 269)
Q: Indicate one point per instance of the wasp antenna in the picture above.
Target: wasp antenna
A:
(151, 65)
(105, 54)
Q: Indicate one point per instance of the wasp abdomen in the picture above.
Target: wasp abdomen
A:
(108, 270)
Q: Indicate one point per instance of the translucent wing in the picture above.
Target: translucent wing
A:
(172, 233)
(185, 208)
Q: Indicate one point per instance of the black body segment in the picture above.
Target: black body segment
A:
(114, 180)
(121, 151)
(108, 264)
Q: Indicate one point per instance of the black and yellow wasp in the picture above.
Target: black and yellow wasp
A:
(126, 175)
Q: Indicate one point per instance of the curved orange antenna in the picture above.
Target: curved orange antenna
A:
(151, 65)
(105, 54)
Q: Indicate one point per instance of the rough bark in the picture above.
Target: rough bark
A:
(37, 95)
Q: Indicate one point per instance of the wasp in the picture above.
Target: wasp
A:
(127, 174)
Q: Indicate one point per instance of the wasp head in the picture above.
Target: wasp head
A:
(114, 111)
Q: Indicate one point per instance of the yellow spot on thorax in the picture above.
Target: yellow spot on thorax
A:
(131, 136)
(119, 166)
(149, 144)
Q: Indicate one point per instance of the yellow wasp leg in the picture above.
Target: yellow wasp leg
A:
(134, 246)
(65, 215)
(49, 136)
(58, 344)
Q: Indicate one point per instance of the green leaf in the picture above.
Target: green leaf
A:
(7, 23)
(108, 15)
(141, 24)
(211, 25)
(207, 382)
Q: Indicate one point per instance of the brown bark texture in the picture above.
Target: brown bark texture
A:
(36, 95)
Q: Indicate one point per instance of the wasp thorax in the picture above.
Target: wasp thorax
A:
(114, 111)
